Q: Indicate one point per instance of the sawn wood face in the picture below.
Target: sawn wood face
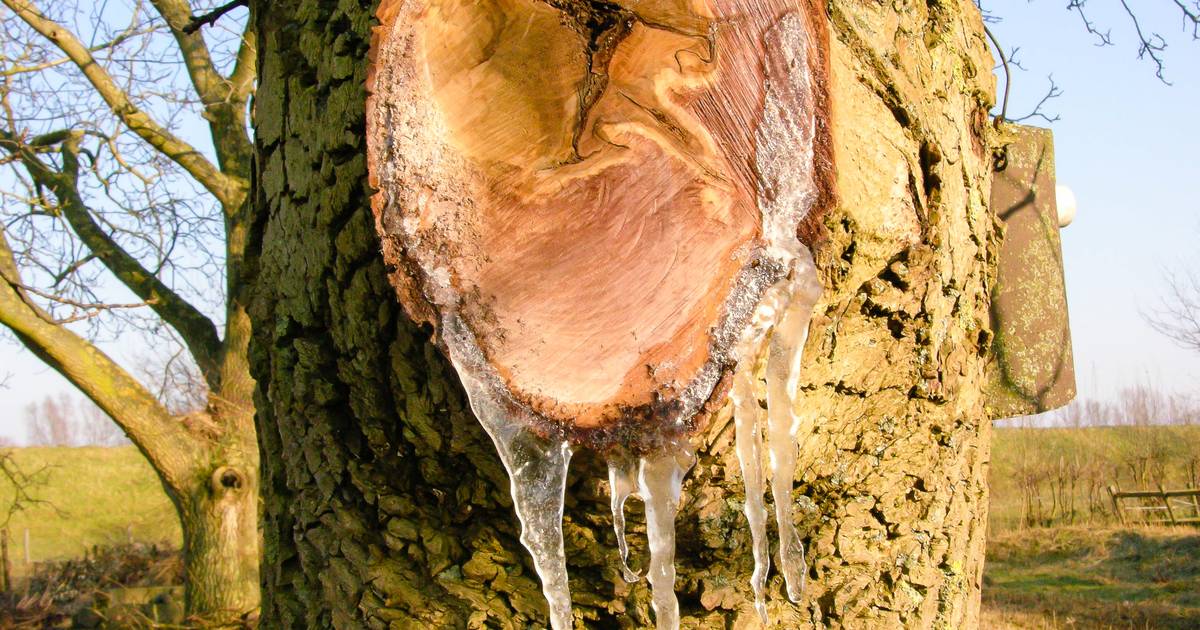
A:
(578, 181)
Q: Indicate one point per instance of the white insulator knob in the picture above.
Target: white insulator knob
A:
(1065, 200)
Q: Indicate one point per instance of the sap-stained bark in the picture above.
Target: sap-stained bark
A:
(384, 502)
(580, 181)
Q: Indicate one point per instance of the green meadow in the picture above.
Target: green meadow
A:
(87, 496)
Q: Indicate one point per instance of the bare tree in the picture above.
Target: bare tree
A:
(124, 168)
(49, 423)
(62, 420)
(1178, 314)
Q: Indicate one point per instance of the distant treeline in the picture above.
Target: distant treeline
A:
(66, 420)
(1135, 406)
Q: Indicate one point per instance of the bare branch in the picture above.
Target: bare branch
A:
(197, 331)
(1013, 61)
(23, 483)
(1150, 46)
(211, 17)
(1178, 315)
(117, 41)
(222, 98)
(245, 71)
(1190, 16)
(1103, 39)
(1052, 93)
(229, 190)
(163, 441)
(91, 309)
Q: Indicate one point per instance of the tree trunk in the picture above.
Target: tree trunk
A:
(221, 554)
(384, 501)
(218, 511)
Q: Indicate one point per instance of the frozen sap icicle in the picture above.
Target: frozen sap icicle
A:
(622, 482)
(746, 413)
(660, 480)
(783, 370)
(537, 473)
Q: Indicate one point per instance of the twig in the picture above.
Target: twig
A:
(1105, 38)
(1191, 14)
(1007, 76)
(1052, 93)
(1178, 316)
(23, 483)
(212, 16)
(1006, 61)
(1013, 61)
(1150, 46)
(988, 16)
(93, 308)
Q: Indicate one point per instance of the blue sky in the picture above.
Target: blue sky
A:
(1126, 144)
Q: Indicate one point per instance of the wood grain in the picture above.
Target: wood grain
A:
(580, 182)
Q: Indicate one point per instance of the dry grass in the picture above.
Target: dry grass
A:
(130, 586)
(1084, 577)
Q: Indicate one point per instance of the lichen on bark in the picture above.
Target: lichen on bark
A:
(384, 502)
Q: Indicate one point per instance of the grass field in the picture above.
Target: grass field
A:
(1094, 576)
(1083, 577)
(1083, 571)
(93, 496)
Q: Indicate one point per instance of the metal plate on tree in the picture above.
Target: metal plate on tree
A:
(1031, 370)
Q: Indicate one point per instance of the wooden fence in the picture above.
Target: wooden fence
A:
(1162, 507)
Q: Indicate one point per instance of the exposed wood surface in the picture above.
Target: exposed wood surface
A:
(580, 182)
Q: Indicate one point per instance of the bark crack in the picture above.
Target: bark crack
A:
(603, 26)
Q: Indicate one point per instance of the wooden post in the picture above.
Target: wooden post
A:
(1194, 486)
(1112, 493)
(7, 575)
(1162, 493)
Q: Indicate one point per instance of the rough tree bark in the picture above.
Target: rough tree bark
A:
(384, 501)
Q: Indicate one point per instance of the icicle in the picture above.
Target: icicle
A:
(622, 483)
(746, 414)
(784, 313)
(537, 466)
(660, 480)
(783, 375)
(537, 473)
